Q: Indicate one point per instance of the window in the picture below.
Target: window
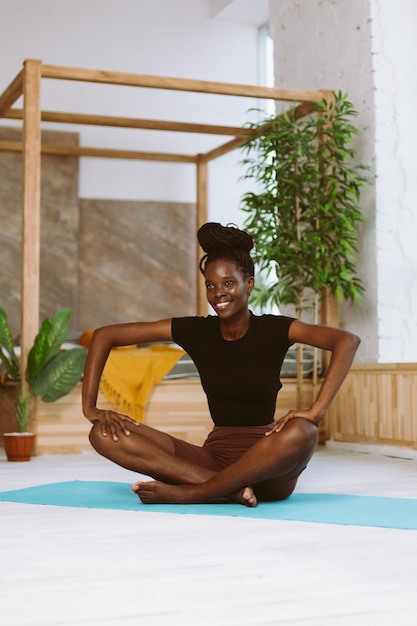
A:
(266, 67)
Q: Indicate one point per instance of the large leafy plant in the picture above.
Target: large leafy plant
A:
(50, 371)
(305, 217)
(305, 213)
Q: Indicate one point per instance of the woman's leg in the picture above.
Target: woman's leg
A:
(151, 452)
(275, 462)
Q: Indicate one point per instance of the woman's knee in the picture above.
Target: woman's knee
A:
(296, 443)
(97, 439)
(302, 433)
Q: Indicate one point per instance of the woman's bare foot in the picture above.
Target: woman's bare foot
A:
(246, 497)
(156, 492)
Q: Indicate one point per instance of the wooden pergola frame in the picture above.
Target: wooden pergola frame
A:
(28, 84)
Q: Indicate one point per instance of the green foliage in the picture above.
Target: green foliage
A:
(305, 218)
(50, 372)
(7, 352)
(60, 375)
(47, 343)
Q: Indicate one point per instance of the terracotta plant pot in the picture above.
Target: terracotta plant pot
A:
(19, 446)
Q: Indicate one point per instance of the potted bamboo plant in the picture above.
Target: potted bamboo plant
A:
(50, 373)
(304, 216)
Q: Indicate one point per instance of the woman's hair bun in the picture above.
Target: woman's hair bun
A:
(213, 236)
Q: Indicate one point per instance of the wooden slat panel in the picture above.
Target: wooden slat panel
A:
(371, 407)
(377, 404)
(61, 426)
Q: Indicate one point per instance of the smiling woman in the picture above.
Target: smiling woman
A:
(229, 275)
(227, 290)
(247, 456)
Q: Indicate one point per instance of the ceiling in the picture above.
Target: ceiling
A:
(254, 12)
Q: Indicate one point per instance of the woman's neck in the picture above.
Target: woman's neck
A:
(232, 329)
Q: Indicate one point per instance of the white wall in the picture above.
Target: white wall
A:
(367, 49)
(166, 37)
(394, 46)
(364, 47)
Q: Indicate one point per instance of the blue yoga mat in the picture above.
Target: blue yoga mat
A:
(304, 507)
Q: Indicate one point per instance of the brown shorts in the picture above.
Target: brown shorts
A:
(223, 446)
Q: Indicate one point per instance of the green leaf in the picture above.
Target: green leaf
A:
(7, 351)
(60, 375)
(47, 343)
(23, 410)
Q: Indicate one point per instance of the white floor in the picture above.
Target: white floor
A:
(63, 566)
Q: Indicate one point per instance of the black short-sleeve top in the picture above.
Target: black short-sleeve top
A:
(241, 378)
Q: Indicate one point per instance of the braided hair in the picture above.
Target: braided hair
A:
(226, 242)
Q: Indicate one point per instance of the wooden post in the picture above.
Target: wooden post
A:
(202, 211)
(329, 317)
(329, 306)
(30, 209)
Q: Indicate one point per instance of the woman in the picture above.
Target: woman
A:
(247, 457)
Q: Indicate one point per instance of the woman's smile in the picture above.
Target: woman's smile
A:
(222, 305)
(227, 289)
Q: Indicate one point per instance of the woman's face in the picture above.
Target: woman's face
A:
(226, 288)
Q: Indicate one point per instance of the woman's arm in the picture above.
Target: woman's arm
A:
(343, 346)
(103, 340)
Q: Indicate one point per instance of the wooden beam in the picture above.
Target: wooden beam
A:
(177, 84)
(225, 148)
(329, 316)
(299, 111)
(11, 146)
(329, 304)
(126, 122)
(108, 153)
(11, 94)
(31, 207)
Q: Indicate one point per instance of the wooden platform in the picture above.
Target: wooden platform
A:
(376, 405)
(178, 407)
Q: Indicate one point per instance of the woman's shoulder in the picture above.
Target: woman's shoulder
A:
(276, 327)
(270, 320)
(196, 320)
(191, 331)
(193, 323)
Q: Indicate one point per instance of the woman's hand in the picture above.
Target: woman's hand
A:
(112, 423)
(309, 415)
(102, 341)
